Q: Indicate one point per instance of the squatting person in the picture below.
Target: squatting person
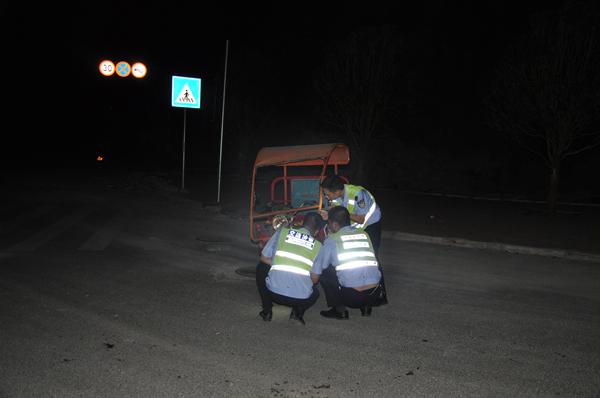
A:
(283, 273)
(347, 268)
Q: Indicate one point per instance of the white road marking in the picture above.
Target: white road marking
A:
(15, 222)
(45, 235)
(105, 234)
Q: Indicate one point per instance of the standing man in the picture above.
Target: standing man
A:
(283, 273)
(364, 212)
(347, 268)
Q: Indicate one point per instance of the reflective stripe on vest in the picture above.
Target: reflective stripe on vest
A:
(296, 251)
(353, 255)
(354, 250)
(352, 192)
(356, 264)
(290, 268)
(294, 256)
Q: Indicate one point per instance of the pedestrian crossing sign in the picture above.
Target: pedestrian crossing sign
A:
(185, 92)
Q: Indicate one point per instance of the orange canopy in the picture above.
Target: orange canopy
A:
(303, 155)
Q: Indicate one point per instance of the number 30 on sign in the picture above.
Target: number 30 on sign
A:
(107, 68)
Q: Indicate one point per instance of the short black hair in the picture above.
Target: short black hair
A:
(333, 182)
(313, 221)
(340, 215)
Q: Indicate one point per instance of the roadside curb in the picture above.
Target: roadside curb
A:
(495, 199)
(473, 244)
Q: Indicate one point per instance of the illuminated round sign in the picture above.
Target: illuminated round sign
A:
(138, 70)
(106, 67)
(123, 69)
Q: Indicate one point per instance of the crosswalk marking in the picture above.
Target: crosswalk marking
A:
(46, 234)
(25, 217)
(81, 227)
(104, 236)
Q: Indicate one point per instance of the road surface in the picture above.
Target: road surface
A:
(120, 291)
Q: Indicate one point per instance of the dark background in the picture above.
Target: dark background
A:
(60, 112)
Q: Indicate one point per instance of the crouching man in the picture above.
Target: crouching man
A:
(283, 274)
(347, 268)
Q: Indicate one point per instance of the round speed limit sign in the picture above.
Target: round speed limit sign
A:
(106, 67)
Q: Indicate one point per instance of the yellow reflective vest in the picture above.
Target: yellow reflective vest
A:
(296, 251)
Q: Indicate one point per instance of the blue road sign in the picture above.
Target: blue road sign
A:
(185, 92)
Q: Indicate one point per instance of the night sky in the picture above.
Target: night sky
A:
(64, 112)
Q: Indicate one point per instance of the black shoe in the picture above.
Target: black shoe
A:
(366, 311)
(266, 315)
(335, 314)
(297, 316)
(381, 300)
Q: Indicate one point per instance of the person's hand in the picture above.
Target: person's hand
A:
(323, 214)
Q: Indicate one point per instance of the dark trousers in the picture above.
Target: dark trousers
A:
(268, 297)
(374, 231)
(340, 297)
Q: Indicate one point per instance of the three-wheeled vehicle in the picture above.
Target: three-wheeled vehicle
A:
(286, 183)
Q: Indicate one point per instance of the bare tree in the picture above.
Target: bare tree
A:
(547, 92)
(355, 86)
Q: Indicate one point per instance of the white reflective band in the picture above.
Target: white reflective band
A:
(294, 256)
(351, 201)
(354, 245)
(367, 216)
(356, 264)
(370, 213)
(354, 237)
(349, 255)
(290, 268)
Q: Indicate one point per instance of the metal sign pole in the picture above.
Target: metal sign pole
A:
(183, 157)
(222, 119)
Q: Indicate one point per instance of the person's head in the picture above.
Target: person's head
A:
(338, 218)
(333, 186)
(313, 222)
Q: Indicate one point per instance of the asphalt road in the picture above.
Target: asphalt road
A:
(129, 289)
